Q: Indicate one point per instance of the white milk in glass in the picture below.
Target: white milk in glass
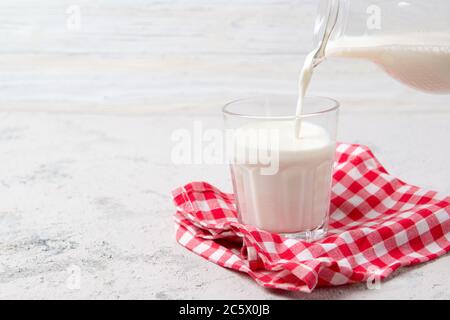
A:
(297, 197)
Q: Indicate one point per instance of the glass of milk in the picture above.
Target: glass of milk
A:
(282, 175)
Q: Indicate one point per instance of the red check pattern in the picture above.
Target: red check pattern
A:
(377, 224)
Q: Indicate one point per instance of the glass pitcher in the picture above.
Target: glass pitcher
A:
(410, 40)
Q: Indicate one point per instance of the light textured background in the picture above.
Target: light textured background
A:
(85, 124)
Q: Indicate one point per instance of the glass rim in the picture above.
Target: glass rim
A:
(335, 106)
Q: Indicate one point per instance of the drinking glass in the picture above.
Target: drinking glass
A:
(282, 180)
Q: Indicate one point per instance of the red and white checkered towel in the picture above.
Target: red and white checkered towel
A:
(377, 224)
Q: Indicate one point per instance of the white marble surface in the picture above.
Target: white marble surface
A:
(85, 124)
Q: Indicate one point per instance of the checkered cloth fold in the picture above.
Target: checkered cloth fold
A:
(378, 224)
